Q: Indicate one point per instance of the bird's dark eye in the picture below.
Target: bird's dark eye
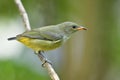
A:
(74, 27)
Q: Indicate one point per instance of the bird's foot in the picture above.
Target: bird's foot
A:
(43, 58)
(46, 61)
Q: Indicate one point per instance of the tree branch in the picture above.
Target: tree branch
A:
(23, 14)
(43, 59)
(48, 66)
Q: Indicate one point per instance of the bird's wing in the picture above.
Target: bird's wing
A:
(42, 35)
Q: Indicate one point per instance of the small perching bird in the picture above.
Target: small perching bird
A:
(48, 37)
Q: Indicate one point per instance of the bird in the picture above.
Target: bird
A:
(48, 37)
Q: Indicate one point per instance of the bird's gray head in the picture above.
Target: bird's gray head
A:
(70, 27)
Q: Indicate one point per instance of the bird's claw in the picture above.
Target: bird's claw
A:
(46, 61)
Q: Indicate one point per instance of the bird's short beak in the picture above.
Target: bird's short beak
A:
(81, 28)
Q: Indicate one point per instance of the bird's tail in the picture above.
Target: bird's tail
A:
(11, 38)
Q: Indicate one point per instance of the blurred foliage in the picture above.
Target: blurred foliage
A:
(12, 71)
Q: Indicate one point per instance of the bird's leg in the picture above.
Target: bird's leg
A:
(43, 58)
(42, 51)
(37, 52)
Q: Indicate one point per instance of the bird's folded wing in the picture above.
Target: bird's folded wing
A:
(43, 35)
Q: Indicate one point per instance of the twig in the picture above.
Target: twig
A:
(47, 65)
(23, 14)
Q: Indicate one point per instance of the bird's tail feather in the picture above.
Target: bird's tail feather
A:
(11, 38)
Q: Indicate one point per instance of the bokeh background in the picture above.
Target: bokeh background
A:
(89, 55)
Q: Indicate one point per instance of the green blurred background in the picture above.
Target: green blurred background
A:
(89, 55)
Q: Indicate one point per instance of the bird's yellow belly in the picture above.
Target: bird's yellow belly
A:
(37, 44)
